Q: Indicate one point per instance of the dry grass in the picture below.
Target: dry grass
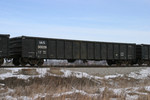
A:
(53, 85)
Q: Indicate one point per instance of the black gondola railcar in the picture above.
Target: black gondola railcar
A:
(143, 54)
(33, 50)
(4, 43)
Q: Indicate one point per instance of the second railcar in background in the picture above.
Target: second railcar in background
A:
(143, 54)
(4, 47)
(33, 51)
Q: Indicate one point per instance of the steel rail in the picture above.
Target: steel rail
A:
(72, 66)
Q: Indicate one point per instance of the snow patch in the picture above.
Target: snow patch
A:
(147, 88)
(18, 98)
(101, 89)
(113, 76)
(144, 73)
(14, 73)
(132, 97)
(117, 91)
(75, 91)
(68, 73)
(40, 95)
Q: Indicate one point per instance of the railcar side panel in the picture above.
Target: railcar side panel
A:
(76, 50)
(60, 49)
(149, 52)
(97, 51)
(28, 48)
(83, 50)
(123, 51)
(104, 51)
(138, 52)
(131, 52)
(116, 51)
(90, 50)
(145, 52)
(68, 50)
(52, 50)
(41, 48)
(110, 51)
(4, 46)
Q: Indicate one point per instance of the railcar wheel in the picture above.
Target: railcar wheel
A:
(85, 61)
(71, 60)
(16, 61)
(148, 64)
(23, 61)
(33, 62)
(118, 64)
(140, 63)
(127, 63)
(40, 62)
(1, 61)
(109, 62)
(131, 63)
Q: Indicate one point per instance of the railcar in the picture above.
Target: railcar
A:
(143, 54)
(33, 50)
(4, 43)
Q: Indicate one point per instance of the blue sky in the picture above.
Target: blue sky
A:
(96, 20)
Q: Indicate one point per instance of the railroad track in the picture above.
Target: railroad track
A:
(92, 70)
(72, 66)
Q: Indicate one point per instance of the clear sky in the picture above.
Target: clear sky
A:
(96, 20)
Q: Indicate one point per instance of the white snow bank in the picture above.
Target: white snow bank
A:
(75, 91)
(68, 73)
(18, 98)
(147, 88)
(40, 95)
(126, 91)
(132, 97)
(113, 76)
(144, 73)
(14, 72)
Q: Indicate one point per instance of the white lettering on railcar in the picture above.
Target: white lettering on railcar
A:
(39, 52)
(42, 42)
(122, 53)
(130, 46)
(44, 52)
(31, 52)
(116, 55)
(42, 47)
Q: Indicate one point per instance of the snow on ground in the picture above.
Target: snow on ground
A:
(18, 98)
(68, 73)
(113, 76)
(144, 73)
(116, 91)
(147, 88)
(14, 72)
(73, 92)
(127, 91)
